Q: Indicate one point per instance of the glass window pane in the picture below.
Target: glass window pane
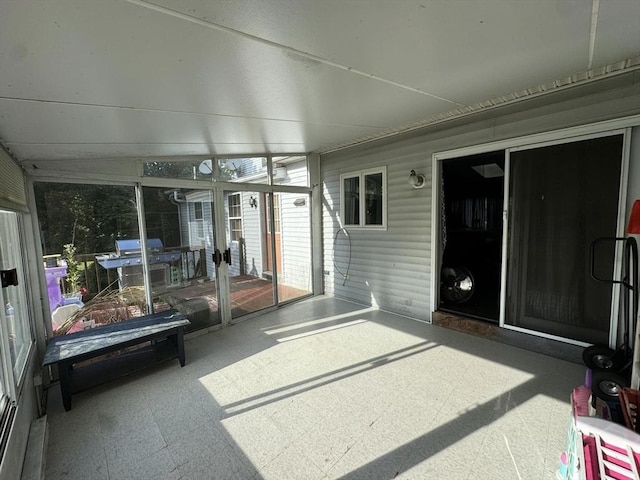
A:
(250, 169)
(181, 244)
(189, 169)
(373, 199)
(81, 229)
(554, 218)
(351, 188)
(293, 239)
(290, 171)
(15, 297)
(250, 273)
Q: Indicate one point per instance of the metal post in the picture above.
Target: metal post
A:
(142, 229)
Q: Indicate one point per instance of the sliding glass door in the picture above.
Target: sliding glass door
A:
(562, 198)
(181, 244)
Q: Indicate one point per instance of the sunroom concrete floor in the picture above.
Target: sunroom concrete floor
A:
(323, 389)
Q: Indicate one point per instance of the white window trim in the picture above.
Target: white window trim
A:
(239, 194)
(361, 174)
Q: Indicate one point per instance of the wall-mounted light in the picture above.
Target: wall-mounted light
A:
(417, 180)
(253, 202)
(300, 202)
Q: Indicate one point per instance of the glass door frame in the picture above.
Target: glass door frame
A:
(218, 189)
(569, 135)
(620, 231)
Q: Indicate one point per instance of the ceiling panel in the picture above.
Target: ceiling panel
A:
(618, 31)
(35, 127)
(441, 47)
(174, 77)
(109, 53)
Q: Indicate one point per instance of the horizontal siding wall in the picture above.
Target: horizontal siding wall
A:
(295, 224)
(386, 268)
(253, 233)
(391, 269)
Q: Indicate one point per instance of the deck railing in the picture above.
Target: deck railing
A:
(96, 279)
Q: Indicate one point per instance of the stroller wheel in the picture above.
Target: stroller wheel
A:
(599, 357)
(608, 385)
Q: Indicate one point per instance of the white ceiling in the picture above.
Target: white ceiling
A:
(130, 78)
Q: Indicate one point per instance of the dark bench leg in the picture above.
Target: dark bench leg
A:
(180, 345)
(64, 372)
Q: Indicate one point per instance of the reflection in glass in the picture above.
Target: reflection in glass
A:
(180, 246)
(250, 276)
(351, 190)
(373, 199)
(250, 169)
(290, 170)
(293, 227)
(190, 169)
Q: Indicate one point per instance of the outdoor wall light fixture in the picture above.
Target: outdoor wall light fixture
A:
(253, 202)
(417, 180)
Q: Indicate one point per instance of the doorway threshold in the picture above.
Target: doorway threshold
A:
(491, 331)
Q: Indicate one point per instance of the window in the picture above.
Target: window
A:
(16, 315)
(235, 216)
(369, 209)
(197, 219)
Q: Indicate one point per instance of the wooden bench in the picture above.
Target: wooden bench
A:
(164, 331)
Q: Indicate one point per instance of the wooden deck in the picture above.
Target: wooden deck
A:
(248, 294)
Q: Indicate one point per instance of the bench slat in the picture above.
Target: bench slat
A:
(79, 344)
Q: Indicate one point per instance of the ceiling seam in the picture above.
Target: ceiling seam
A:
(264, 41)
(181, 112)
(595, 7)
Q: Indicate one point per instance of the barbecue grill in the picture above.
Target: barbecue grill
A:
(127, 259)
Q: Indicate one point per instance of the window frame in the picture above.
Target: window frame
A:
(196, 219)
(361, 176)
(14, 368)
(232, 218)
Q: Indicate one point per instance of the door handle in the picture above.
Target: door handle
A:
(226, 255)
(217, 258)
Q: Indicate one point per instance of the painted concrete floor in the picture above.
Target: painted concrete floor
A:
(323, 389)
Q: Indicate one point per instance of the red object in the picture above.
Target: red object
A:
(634, 219)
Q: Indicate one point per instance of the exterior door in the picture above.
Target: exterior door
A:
(562, 198)
(181, 243)
(250, 284)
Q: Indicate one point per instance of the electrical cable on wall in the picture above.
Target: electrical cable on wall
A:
(344, 275)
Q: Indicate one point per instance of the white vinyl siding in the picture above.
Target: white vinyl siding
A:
(392, 268)
(253, 239)
(386, 268)
(295, 225)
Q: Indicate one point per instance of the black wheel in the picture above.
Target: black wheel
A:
(608, 385)
(599, 357)
(457, 284)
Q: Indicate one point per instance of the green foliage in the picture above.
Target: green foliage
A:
(74, 270)
(91, 217)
